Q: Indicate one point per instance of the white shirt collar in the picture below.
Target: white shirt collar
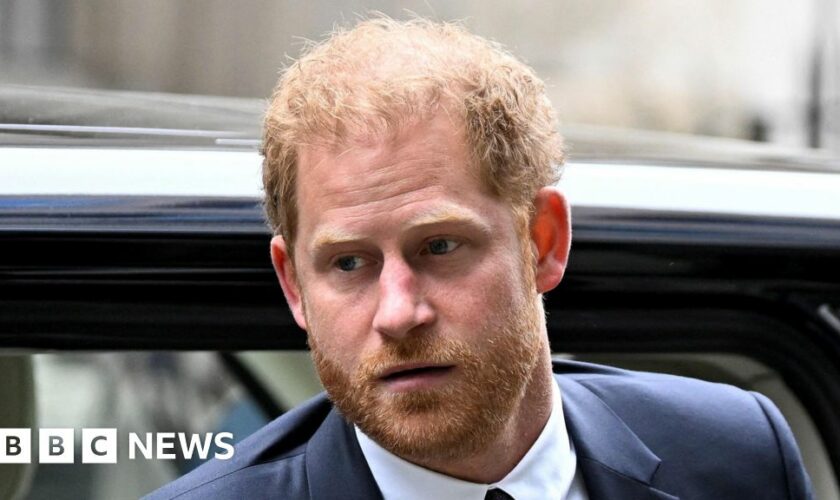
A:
(546, 471)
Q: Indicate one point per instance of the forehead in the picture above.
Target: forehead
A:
(423, 169)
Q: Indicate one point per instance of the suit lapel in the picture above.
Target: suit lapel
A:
(615, 463)
(335, 465)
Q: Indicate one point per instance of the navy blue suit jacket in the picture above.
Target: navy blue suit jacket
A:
(637, 436)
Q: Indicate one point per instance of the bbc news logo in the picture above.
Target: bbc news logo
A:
(99, 446)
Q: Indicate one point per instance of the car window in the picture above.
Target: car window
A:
(193, 393)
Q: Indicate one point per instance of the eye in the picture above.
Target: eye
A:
(349, 263)
(440, 246)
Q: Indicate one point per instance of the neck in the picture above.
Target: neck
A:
(493, 463)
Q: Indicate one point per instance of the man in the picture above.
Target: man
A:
(408, 172)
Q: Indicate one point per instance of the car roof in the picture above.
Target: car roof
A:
(56, 116)
(203, 173)
(57, 141)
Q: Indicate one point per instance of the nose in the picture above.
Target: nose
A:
(402, 307)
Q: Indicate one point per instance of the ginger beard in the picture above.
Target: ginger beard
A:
(462, 417)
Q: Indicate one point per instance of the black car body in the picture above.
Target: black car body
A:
(710, 258)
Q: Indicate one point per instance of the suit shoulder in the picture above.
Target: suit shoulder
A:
(270, 460)
(640, 395)
(699, 429)
(281, 478)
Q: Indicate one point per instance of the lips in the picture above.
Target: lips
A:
(415, 377)
(410, 370)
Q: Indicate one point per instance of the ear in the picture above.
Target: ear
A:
(284, 268)
(551, 233)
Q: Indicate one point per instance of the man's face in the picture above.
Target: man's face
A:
(423, 325)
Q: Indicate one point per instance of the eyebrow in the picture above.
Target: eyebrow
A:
(448, 215)
(333, 236)
(442, 215)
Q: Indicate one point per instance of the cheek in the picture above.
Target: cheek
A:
(477, 297)
(338, 324)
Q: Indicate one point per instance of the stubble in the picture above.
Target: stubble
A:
(465, 415)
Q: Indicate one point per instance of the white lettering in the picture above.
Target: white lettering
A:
(165, 442)
(15, 446)
(99, 446)
(195, 444)
(56, 446)
(228, 447)
(146, 447)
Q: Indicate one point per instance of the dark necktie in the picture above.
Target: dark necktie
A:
(497, 494)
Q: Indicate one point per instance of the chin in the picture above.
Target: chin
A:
(429, 436)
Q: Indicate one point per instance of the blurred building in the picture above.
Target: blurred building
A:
(754, 69)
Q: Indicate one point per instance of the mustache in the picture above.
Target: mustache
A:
(419, 349)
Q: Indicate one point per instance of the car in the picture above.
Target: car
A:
(136, 289)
